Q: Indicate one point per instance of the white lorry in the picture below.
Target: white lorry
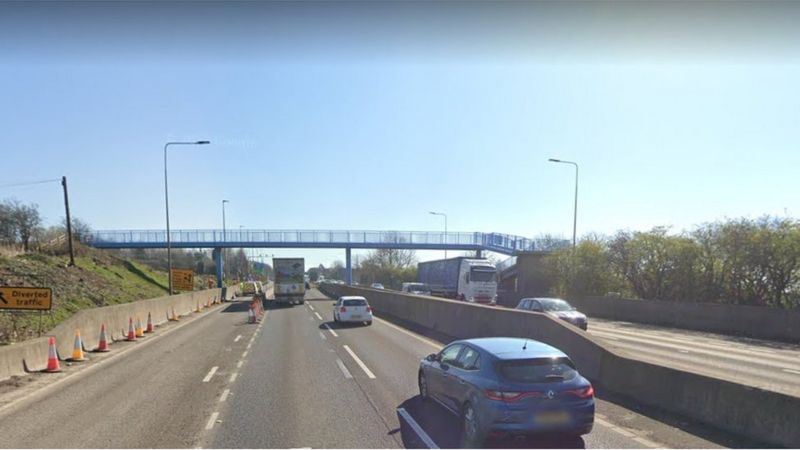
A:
(462, 278)
(290, 287)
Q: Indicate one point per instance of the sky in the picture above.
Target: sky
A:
(366, 116)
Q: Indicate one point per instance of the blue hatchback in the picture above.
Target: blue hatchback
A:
(508, 386)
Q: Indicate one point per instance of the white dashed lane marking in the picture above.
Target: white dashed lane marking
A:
(224, 395)
(212, 420)
(343, 368)
(360, 363)
(210, 374)
(331, 330)
(237, 338)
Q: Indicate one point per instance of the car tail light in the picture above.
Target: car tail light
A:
(587, 392)
(342, 309)
(369, 309)
(506, 396)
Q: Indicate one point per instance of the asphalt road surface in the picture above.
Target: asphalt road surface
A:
(766, 364)
(294, 380)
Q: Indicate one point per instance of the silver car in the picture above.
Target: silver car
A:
(557, 308)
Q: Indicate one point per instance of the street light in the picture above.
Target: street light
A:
(445, 228)
(166, 202)
(575, 212)
(224, 239)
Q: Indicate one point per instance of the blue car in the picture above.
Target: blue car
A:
(503, 387)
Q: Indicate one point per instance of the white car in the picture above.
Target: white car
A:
(376, 286)
(352, 309)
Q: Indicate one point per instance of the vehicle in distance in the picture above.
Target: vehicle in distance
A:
(289, 284)
(352, 309)
(376, 286)
(508, 387)
(557, 308)
(462, 278)
(416, 288)
(249, 288)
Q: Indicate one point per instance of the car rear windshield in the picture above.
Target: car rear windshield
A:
(555, 305)
(356, 302)
(539, 370)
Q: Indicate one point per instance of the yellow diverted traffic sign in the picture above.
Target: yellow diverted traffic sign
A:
(183, 279)
(26, 298)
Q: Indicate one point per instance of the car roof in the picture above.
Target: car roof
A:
(511, 348)
(352, 297)
(545, 298)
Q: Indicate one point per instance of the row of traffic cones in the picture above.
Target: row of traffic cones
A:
(134, 332)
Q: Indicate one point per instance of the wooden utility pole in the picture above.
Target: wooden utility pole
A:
(69, 222)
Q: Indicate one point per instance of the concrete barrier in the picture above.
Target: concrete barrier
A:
(33, 353)
(746, 410)
(742, 320)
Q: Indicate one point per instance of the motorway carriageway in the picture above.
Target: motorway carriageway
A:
(765, 364)
(294, 380)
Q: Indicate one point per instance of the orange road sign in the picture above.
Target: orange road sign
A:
(183, 279)
(26, 298)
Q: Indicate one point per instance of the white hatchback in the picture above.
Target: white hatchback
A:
(352, 309)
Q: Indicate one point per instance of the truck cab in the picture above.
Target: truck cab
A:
(477, 281)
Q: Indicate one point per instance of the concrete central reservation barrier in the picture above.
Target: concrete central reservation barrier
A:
(755, 412)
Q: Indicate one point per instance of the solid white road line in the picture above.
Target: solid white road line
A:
(796, 372)
(322, 336)
(344, 370)
(309, 305)
(224, 395)
(210, 374)
(415, 336)
(331, 330)
(237, 338)
(360, 363)
(211, 420)
(233, 377)
(318, 316)
(417, 429)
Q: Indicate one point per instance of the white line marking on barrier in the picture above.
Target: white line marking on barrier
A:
(211, 420)
(796, 372)
(210, 374)
(415, 336)
(646, 442)
(237, 338)
(318, 316)
(322, 336)
(360, 363)
(239, 364)
(224, 395)
(343, 368)
(331, 330)
(233, 377)
(417, 429)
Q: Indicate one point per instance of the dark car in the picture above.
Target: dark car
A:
(557, 308)
(503, 387)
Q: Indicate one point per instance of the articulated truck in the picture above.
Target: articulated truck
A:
(290, 287)
(469, 279)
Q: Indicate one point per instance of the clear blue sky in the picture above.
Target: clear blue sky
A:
(365, 116)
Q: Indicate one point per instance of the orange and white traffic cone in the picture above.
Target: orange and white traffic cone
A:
(52, 356)
(77, 349)
(149, 328)
(131, 332)
(103, 345)
(139, 331)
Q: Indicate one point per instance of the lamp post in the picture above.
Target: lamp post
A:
(575, 211)
(166, 203)
(224, 239)
(445, 228)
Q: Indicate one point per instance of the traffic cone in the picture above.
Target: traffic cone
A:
(131, 333)
(52, 356)
(149, 328)
(77, 349)
(103, 345)
(139, 330)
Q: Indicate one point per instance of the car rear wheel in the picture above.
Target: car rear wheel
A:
(369, 323)
(423, 387)
(471, 435)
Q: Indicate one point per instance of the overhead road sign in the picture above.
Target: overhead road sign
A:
(26, 298)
